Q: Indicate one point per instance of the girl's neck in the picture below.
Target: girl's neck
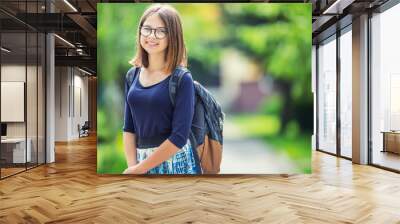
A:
(156, 63)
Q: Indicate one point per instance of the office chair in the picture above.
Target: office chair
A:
(84, 130)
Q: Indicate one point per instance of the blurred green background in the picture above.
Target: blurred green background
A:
(254, 57)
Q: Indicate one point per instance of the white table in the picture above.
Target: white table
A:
(19, 149)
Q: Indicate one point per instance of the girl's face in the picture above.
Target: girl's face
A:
(153, 35)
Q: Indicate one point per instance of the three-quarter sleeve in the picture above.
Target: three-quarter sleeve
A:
(183, 111)
(129, 125)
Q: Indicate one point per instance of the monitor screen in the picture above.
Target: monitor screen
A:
(3, 129)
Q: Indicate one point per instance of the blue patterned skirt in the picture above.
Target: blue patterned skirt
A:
(183, 162)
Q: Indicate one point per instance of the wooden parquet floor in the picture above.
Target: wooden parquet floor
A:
(70, 191)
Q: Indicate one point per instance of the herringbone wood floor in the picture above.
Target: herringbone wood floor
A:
(70, 191)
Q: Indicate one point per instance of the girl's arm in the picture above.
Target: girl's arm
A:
(129, 136)
(130, 148)
(165, 151)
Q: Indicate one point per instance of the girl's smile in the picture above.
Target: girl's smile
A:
(151, 43)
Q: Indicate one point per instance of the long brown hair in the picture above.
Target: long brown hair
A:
(176, 50)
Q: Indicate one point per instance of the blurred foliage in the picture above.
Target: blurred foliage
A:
(296, 145)
(259, 125)
(111, 157)
(272, 105)
(275, 36)
(297, 148)
(292, 129)
(272, 34)
(203, 31)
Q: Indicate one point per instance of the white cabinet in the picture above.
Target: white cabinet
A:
(17, 147)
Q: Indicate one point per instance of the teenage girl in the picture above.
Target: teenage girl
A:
(156, 132)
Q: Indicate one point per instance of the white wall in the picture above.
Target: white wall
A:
(33, 126)
(12, 73)
(70, 83)
(16, 73)
(61, 103)
(80, 93)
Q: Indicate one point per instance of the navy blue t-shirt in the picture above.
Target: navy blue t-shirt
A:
(149, 111)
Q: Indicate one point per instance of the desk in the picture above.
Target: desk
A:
(391, 141)
(13, 150)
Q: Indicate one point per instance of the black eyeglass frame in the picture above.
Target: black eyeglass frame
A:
(164, 30)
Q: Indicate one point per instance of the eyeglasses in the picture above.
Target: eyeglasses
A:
(159, 33)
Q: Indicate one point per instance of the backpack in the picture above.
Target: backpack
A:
(207, 125)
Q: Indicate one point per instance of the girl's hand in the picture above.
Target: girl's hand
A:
(136, 169)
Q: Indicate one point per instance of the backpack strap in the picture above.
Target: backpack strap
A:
(131, 78)
(175, 81)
